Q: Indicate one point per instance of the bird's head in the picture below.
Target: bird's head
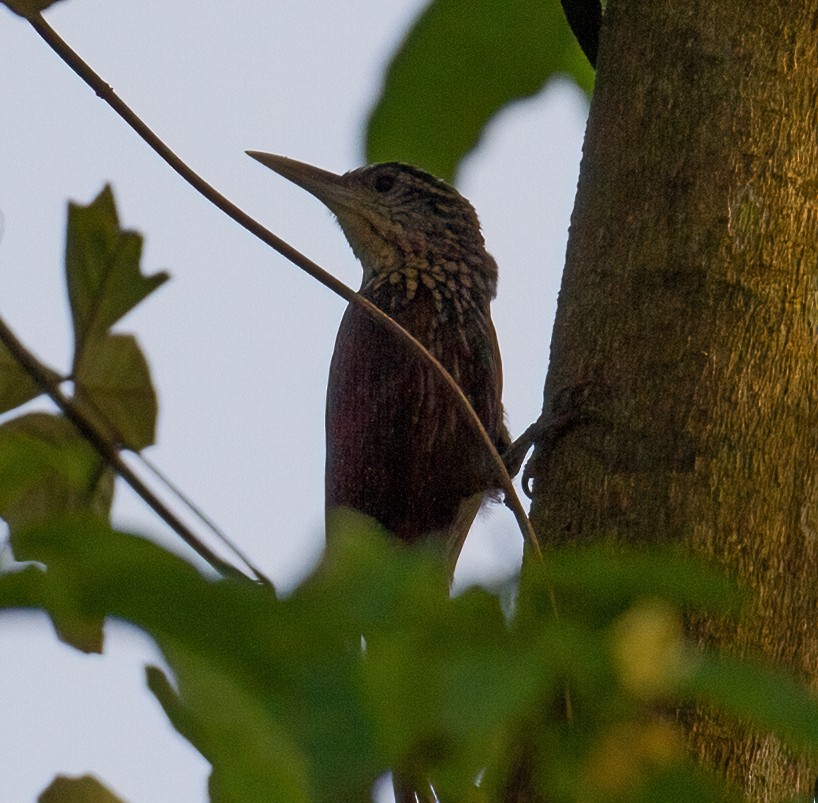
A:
(395, 215)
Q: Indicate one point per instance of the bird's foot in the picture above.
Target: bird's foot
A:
(565, 413)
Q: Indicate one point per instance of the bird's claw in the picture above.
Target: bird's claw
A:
(564, 414)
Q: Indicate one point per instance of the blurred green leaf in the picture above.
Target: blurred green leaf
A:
(600, 581)
(31, 588)
(672, 781)
(461, 63)
(289, 671)
(253, 757)
(85, 789)
(369, 664)
(16, 386)
(102, 269)
(48, 469)
(114, 390)
(763, 696)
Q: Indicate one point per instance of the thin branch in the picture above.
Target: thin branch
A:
(203, 517)
(109, 453)
(104, 91)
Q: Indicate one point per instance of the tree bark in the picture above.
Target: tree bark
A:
(686, 336)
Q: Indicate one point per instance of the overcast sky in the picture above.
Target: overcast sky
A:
(239, 341)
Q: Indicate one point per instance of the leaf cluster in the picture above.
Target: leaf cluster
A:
(47, 466)
(371, 665)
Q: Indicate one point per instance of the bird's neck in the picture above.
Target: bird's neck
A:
(463, 282)
(446, 306)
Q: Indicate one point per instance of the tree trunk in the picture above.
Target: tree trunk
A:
(687, 329)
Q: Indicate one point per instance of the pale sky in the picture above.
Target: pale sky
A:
(239, 341)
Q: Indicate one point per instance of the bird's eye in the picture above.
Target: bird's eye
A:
(384, 182)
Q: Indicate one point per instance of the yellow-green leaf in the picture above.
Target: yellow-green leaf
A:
(102, 269)
(85, 789)
(47, 469)
(16, 386)
(114, 390)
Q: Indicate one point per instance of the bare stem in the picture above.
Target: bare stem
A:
(64, 51)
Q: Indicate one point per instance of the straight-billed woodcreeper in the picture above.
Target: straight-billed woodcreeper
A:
(399, 448)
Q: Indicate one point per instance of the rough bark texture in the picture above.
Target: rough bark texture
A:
(687, 327)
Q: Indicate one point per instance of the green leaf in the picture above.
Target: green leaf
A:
(102, 269)
(600, 581)
(283, 671)
(48, 469)
(114, 389)
(763, 696)
(681, 782)
(444, 685)
(441, 676)
(16, 386)
(281, 698)
(461, 63)
(31, 588)
(85, 789)
(252, 755)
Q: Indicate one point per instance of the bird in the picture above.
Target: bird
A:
(398, 446)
